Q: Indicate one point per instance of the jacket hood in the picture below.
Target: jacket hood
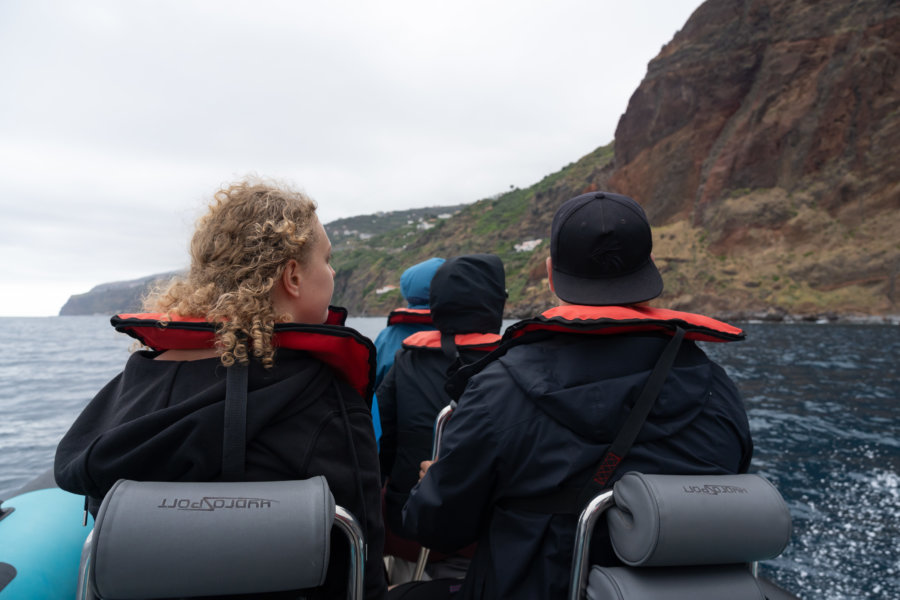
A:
(415, 282)
(581, 381)
(468, 294)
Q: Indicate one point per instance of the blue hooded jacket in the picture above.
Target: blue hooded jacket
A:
(415, 285)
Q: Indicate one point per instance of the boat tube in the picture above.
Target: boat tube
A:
(41, 536)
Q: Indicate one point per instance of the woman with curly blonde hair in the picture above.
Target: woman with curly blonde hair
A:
(253, 234)
(249, 326)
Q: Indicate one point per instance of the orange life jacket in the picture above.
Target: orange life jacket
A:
(344, 349)
(611, 320)
(464, 341)
(599, 320)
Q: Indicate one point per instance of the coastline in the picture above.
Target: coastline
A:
(823, 318)
(816, 318)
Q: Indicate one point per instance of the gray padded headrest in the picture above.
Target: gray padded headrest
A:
(728, 582)
(670, 520)
(160, 539)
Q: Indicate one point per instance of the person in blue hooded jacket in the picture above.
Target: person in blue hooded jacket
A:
(415, 285)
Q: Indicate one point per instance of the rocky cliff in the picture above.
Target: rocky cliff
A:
(762, 142)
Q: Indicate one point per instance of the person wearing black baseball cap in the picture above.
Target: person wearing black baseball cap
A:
(567, 405)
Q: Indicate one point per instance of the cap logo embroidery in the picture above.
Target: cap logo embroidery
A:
(607, 255)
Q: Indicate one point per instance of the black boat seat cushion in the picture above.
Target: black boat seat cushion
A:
(160, 539)
(690, 536)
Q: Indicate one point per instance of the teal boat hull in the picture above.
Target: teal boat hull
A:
(41, 536)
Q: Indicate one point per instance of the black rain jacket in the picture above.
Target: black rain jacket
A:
(163, 421)
(542, 416)
(467, 297)
(410, 397)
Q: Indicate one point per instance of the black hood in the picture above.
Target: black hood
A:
(586, 383)
(468, 294)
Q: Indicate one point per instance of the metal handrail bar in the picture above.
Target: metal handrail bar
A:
(83, 591)
(583, 533)
(345, 521)
(439, 424)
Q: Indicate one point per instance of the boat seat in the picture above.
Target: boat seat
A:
(175, 540)
(694, 537)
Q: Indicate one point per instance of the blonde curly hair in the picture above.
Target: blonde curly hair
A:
(238, 251)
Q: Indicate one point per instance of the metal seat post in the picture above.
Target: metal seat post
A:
(439, 423)
(583, 533)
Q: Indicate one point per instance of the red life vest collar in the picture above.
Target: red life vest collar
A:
(347, 351)
(464, 341)
(413, 316)
(611, 320)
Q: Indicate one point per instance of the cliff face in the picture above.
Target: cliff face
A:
(772, 127)
(764, 94)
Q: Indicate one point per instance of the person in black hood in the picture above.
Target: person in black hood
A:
(260, 275)
(467, 297)
(538, 419)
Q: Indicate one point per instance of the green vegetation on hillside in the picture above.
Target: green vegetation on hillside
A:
(495, 225)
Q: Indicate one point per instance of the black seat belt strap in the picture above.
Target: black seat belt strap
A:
(448, 345)
(234, 443)
(570, 500)
(635, 421)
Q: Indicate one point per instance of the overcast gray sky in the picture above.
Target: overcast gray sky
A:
(120, 118)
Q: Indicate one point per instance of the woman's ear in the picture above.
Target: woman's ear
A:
(286, 291)
(291, 278)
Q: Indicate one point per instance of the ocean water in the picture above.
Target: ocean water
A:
(822, 400)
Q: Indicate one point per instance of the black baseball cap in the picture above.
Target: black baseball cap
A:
(600, 247)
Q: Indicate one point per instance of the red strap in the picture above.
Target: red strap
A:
(607, 468)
